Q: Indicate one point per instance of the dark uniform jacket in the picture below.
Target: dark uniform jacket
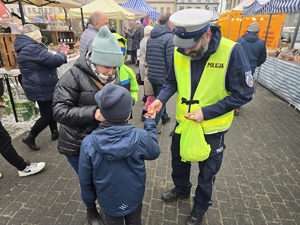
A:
(235, 83)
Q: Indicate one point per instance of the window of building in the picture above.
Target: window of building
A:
(162, 10)
(189, 7)
(46, 10)
(168, 10)
(50, 10)
(34, 10)
(60, 10)
(29, 10)
(181, 7)
(12, 9)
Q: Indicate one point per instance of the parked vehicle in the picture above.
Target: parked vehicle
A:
(287, 37)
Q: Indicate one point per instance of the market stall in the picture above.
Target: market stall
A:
(109, 7)
(280, 72)
(56, 3)
(233, 24)
(60, 38)
(142, 6)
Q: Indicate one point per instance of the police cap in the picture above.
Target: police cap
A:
(190, 25)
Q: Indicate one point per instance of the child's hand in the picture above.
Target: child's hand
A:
(150, 114)
(98, 116)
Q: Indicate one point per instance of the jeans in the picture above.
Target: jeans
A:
(46, 119)
(162, 114)
(8, 151)
(133, 218)
(74, 161)
(207, 172)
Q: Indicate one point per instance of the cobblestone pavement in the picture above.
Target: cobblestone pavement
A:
(258, 184)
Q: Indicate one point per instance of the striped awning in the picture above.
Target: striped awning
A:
(142, 6)
(272, 7)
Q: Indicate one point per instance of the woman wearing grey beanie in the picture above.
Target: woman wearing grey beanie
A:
(74, 106)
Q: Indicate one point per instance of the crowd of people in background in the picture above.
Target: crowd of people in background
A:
(92, 103)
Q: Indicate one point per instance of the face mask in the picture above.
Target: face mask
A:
(106, 79)
(103, 78)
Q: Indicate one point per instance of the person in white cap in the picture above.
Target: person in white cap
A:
(255, 49)
(39, 77)
(212, 77)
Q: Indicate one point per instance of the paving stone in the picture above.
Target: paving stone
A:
(258, 184)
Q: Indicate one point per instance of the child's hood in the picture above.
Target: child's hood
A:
(116, 142)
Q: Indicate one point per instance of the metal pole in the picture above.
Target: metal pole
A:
(240, 27)
(82, 20)
(295, 32)
(267, 31)
(11, 98)
(229, 28)
(21, 11)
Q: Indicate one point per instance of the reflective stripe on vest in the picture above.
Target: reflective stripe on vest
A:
(210, 89)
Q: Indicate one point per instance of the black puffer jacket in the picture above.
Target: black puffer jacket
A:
(159, 53)
(74, 107)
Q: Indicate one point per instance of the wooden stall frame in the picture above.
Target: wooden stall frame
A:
(7, 51)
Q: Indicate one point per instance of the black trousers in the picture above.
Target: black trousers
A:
(8, 151)
(206, 176)
(134, 218)
(46, 118)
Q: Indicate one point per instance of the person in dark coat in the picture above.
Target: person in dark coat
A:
(159, 54)
(114, 154)
(255, 49)
(74, 106)
(138, 35)
(39, 77)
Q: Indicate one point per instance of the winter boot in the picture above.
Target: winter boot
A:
(30, 142)
(93, 216)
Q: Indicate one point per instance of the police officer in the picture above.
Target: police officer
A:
(212, 77)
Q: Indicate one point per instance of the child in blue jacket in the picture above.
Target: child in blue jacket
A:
(111, 163)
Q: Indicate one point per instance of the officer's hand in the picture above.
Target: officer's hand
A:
(196, 116)
(98, 115)
(154, 107)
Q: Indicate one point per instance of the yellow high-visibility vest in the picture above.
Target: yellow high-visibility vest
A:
(210, 89)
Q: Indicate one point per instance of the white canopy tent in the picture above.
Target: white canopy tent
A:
(56, 3)
(109, 7)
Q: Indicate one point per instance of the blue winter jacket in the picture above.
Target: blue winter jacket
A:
(255, 49)
(38, 68)
(159, 53)
(112, 168)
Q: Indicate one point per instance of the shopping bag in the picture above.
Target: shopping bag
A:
(25, 109)
(193, 146)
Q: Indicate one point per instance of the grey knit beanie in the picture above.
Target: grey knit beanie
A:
(253, 27)
(114, 103)
(106, 49)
